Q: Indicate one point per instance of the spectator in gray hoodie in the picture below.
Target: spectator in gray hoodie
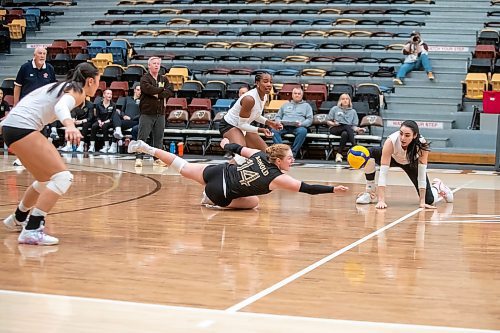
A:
(343, 120)
(295, 116)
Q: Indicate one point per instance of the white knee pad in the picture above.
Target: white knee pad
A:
(39, 186)
(178, 164)
(60, 182)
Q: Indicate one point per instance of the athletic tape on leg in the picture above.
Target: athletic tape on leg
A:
(178, 164)
(60, 182)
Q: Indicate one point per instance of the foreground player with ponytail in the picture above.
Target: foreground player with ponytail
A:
(408, 150)
(233, 186)
(21, 132)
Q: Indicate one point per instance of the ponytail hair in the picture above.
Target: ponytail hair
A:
(417, 145)
(76, 78)
(276, 151)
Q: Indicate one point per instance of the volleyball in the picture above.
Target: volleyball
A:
(358, 156)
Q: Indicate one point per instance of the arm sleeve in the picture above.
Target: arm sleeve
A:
(422, 175)
(261, 119)
(315, 189)
(233, 148)
(245, 126)
(382, 175)
(64, 106)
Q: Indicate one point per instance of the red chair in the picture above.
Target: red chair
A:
(176, 104)
(100, 89)
(199, 104)
(77, 46)
(485, 51)
(286, 91)
(119, 89)
(58, 46)
(317, 92)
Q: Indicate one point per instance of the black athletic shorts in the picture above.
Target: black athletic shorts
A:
(213, 175)
(224, 126)
(13, 134)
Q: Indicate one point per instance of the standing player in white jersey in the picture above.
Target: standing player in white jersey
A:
(21, 132)
(236, 125)
(408, 150)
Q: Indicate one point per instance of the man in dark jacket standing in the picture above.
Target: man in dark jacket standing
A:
(154, 89)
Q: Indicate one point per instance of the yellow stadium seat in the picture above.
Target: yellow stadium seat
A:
(495, 82)
(102, 60)
(475, 85)
(274, 105)
(17, 29)
(177, 76)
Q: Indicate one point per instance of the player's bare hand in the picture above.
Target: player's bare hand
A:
(340, 188)
(274, 124)
(73, 135)
(267, 132)
(381, 205)
(224, 142)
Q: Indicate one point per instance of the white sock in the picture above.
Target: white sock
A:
(38, 212)
(22, 207)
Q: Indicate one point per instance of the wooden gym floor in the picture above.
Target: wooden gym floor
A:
(138, 253)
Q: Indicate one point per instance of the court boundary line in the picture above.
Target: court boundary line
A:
(252, 299)
(357, 323)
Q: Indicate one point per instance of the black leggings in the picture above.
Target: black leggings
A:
(346, 135)
(411, 171)
(13, 134)
(213, 175)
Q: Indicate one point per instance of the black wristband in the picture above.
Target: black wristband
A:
(233, 148)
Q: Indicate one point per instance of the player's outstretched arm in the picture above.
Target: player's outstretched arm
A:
(237, 149)
(289, 183)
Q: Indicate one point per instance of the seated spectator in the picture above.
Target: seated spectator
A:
(103, 121)
(295, 116)
(343, 120)
(417, 56)
(83, 118)
(4, 106)
(241, 91)
(129, 116)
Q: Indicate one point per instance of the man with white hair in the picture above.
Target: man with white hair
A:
(154, 90)
(33, 74)
(295, 116)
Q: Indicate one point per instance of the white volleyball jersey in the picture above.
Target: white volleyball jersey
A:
(232, 117)
(35, 110)
(399, 154)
